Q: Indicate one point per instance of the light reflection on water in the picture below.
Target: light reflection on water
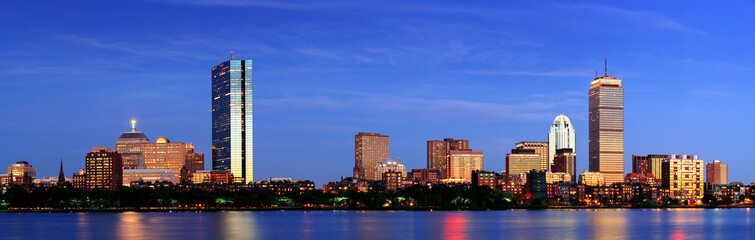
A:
(451, 225)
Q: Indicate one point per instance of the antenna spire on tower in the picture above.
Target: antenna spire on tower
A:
(605, 64)
(133, 125)
(232, 56)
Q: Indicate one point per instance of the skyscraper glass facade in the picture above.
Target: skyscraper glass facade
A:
(607, 128)
(232, 133)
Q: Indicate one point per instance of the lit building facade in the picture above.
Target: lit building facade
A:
(21, 168)
(541, 149)
(560, 136)
(650, 164)
(148, 175)
(79, 179)
(232, 132)
(565, 161)
(438, 153)
(211, 177)
(103, 169)
(369, 150)
(462, 163)
(389, 165)
(717, 172)
(683, 177)
(129, 146)
(521, 161)
(556, 177)
(163, 154)
(606, 118)
(595, 179)
(424, 175)
(483, 178)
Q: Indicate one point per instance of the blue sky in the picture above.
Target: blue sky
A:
(495, 73)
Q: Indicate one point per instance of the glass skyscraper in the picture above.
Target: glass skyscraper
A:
(232, 119)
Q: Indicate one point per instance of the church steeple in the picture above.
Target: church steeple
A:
(61, 176)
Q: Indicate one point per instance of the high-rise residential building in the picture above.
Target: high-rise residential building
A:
(438, 153)
(369, 149)
(521, 161)
(606, 118)
(389, 165)
(103, 169)
(565, 161)
(541, 149)
(683, 177)
(20, 170)
(232, 138)
(717, 172)
(561, 135)
(163, 154)
(595, 179)
(649, 164)
(129, 146)
(462, 163)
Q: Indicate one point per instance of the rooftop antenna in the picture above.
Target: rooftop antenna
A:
(133, 124)
(232, 56)
(606, 63)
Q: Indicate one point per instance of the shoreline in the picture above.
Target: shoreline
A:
(119, 210)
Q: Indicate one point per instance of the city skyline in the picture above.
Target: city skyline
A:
(314, 96)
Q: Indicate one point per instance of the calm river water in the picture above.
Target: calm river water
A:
(517, 224)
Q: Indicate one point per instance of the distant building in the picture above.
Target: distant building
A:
(424, 175)
(560, 136)
(369, 149)
(103, 169)
(194, 161)
(522, 161)
(536, 185)
(232, 119)
(79, 179)
(641, 178)
(392, 180)
(148, 176)
(594, 179)
(281, 186)
(556, 177)
(483, 178)
(438, 153)
(389, 165)
(212, 177)
(541, 149)
(649, 164)
(463, 162)
(22, 172)
(163, 154)
(683, 177)
(565, 161)
(717, 172)
(129, 146)
(606, 128)
(47, 182)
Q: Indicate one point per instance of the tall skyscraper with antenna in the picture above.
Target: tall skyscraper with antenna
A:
(232, 134)
(606, 127)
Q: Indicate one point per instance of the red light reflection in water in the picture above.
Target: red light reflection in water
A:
(455, 226)
(678, 234)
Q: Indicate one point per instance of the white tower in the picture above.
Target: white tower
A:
(561, 135)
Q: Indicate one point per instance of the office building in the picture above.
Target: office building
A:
(560, 136)
(129, 146)
(389, 165)
(194, 161)
(79, 180)
(232, 132)
(717, 172)
(595, 179)
(369, 149)
(606, 128)
(565, 161)
(438, 153)
(683, 177)
(148, 176)
(557, 177)
(392, 180)
(483, 178)
(212, 177)
(641, 178)
(163, 154)
(536, 184)
(22, 172)
(462, 163)
(541, 149)
(103, 169)
(521, 161)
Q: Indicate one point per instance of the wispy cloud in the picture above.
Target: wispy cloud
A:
(555, 73)
(644, 17)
